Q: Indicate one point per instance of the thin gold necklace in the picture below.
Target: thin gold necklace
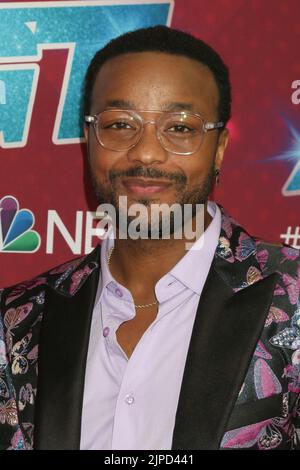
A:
(139, 305)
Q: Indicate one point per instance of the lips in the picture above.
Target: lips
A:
(145, 187)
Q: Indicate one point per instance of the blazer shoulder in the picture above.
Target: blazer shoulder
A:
(240, 245)
(278, 257)
(67, 278)
(20, 292)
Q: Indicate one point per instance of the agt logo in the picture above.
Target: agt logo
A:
(292, 185)
(17, 236)
(79, 27)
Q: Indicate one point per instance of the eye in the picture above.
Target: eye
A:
(119, 125)
(180, 129)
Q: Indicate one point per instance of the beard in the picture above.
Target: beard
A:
(194, 197)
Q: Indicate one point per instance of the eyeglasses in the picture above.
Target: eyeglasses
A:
(181, 132)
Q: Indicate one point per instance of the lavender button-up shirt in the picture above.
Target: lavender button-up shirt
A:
(132, 403)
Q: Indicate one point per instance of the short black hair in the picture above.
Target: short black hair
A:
(171, 41)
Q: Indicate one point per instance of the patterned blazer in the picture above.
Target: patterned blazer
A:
(241, 382)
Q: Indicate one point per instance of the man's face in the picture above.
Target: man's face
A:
(155, 81)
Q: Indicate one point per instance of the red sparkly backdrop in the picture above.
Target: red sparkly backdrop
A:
(260, 181)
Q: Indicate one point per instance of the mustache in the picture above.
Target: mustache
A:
(145, 172)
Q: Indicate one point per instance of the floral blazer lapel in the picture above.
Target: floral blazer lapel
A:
(66, 324)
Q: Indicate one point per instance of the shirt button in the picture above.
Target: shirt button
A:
(119, 292)
(129, 399)
(105, 331)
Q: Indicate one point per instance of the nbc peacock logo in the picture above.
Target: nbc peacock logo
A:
(16, 235)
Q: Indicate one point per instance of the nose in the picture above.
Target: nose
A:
(148, 150)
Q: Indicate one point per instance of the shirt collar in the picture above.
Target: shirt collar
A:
(192, 269)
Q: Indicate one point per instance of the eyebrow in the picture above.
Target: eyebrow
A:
(178, 106)
(172, 106)
(120, 104)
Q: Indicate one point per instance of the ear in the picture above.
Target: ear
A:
(222, 144)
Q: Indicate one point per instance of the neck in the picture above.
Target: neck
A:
(135, 265)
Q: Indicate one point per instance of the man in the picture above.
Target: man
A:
(145, 344)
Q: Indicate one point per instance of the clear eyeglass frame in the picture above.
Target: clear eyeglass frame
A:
(206, 127)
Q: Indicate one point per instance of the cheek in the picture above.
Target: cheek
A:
(200, 165)
(197, 169)
(98, 167)
(102, 161)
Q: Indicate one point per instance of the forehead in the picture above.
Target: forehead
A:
(155, 80)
